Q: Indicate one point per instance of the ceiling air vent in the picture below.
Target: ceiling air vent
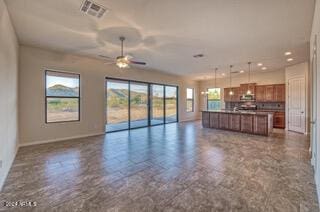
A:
(93, 9)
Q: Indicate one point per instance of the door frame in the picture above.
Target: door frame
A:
(149, 102)
(305, 103)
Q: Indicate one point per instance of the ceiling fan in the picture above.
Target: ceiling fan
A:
(123, 61)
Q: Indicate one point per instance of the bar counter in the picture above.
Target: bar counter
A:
(253, 122)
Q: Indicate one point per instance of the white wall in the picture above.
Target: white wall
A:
(33, 63)
(263, 78)
(316, 149)
(8, 92)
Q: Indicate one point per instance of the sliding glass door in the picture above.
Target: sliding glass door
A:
(138, 105)
(133, 104)
(171, 105)
(117, 107)
(157, 104)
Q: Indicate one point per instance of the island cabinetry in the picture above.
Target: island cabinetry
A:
(247, 123)
(214, 120)
(260, 125)
(224, 121)
(235, 122)
(206, 119)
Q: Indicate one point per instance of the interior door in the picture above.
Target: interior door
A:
(296, 107)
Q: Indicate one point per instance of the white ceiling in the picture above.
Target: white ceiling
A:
(166, 33)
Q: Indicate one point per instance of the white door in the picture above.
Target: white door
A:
(297, 113)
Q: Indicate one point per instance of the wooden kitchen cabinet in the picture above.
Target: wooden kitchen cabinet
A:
(280, 93)
(260, 125)
(260, 93)
(235, 122)
(224, 121)
(269, 93)
(214, 120)
(236, 94)
(247, 123)
(279, 120)
(244, 88)
(227, 97)
(205, 119)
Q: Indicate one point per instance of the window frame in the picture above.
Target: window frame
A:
(188, 99)
(212, 100)
(62, 97)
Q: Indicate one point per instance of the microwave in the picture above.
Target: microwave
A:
(247, 97)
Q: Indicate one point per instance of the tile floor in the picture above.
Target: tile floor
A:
(176, 167)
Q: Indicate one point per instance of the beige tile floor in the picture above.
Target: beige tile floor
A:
(176, 167)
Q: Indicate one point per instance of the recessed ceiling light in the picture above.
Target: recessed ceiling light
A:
(287, 53)
(264, 68)
(241, 71)
(290, 59)
(259, 64)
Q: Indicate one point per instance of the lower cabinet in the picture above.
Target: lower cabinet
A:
(206, 119)
(235, 122)
(224, 121)
(260, 125)
(247, 123)
(279, 120)
(214, 120)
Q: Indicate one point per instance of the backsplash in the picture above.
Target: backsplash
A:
(260, 105)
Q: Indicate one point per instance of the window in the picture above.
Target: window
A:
(62, 97)
(214, 99)
(190, 99)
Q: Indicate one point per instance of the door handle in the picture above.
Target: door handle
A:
(302, 112)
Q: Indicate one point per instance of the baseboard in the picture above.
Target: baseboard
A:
(192, 119)
(59, 139)
(6, 172)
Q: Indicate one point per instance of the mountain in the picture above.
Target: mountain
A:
(61, 90)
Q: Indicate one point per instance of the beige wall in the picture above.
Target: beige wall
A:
(33, 62)
(264, 78)
(8, 93)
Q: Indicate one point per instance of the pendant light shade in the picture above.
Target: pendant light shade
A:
(249, 92)
(215, 81)
(231, 91)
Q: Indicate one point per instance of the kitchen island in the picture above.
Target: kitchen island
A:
(259, 123)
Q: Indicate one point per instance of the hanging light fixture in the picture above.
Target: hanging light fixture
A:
(215, 81)
(249, 92)
(231, 91)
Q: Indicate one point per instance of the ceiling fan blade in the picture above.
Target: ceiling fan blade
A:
(137, 62)
(107, 57)
(110, 63)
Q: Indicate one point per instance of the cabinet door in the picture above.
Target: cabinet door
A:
(236, 96)
(234, 122)
(252, 88)
(227, 97)
(280, 93)
(224, 121)
(206, 119)
(214, 120)
(269, 93)
(243, 89)
(279, 120)
(260, 93)
(261, 125)
(247, 123)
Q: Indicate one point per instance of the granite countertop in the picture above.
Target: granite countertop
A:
(240, 112)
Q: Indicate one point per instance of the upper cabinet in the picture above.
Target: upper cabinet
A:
(280, 92)
(263, 93)
(260, 93)
(269, 93)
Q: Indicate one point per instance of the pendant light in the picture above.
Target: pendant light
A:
(215, 81)
(249, 92)
(231, 91)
